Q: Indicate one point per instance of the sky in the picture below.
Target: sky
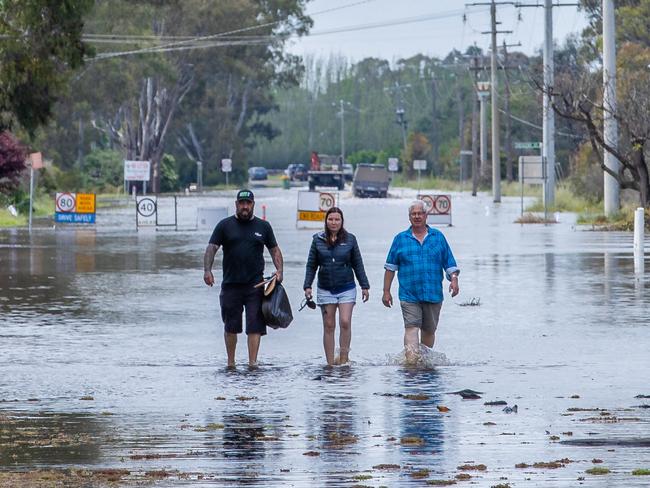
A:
(431, 27)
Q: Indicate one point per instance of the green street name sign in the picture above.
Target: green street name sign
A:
(528, 145)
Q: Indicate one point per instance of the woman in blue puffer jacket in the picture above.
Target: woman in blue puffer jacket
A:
(335, 254)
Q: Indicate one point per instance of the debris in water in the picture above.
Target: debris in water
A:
(498, 402)
(387, 466)
(472, 467)
(512, 409)
(474, 302)
(311, 453)
(412, 440)
(442, 408)
(467, 394)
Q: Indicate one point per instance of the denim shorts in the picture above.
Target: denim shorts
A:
(325, 297)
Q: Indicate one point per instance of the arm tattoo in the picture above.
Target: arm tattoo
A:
(208, 257)
(276, 256)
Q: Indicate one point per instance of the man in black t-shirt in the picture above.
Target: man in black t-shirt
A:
(243, 237)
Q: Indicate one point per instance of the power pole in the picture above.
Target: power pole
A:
(434, 125)
(399, 111)
(475, 111)
(496, 150)
(483, 95)
(510, 156)
(548, 125)
(610, 127)
(342, 114)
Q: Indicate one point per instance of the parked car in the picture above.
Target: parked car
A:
(258, 173)
(296, 171)
(348, 172)
(371, 180)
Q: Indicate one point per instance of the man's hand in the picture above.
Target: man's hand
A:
(308, 294)
(365, 294)
(387, 299)
(208, 278)
(278, 276)
(453, 286)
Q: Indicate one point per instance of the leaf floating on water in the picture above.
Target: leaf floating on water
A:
(493, 404)
(463, 476)
(86, 398)
(418, 396)
(472, 467)
(442, 408)
(417, 441)
(420, 473)
(245, 398)
(387, 466)
(219, 398)
(311, 453)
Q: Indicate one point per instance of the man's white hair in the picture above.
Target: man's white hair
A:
(417, 203)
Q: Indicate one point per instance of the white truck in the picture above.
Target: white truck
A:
(325, 171)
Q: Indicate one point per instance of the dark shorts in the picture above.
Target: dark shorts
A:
(234, 299)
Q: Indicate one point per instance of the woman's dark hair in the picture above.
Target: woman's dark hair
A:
(342, 234)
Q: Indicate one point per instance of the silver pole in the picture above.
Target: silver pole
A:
(484, 134)
(31, 196)
(548, 129)
(610, 126)
(342, 133)
(496, 151)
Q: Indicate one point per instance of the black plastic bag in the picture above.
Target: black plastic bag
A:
(277, 309)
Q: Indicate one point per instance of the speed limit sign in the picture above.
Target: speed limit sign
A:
(146, 211)
(442, 204)
(66, 202)
(438, 208)
(327, 201)
(146, 207)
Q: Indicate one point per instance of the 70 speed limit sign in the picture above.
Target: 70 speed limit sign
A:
(438, 208)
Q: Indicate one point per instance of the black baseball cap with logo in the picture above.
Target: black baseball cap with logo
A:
(245, 195)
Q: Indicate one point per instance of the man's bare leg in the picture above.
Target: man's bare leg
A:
(411, 344)
(428, 338)
(231, 345)
(253, 348)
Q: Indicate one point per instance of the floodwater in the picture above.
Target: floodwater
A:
(112, 356)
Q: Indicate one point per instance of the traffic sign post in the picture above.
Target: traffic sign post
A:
(226, 167)
(419, 164)
(438, 209)
(75, 208)
(528, 145)
(532, 169)
(393, 164)
(312, 206)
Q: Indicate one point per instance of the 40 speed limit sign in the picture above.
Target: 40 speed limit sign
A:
(438, 208)
(146, 210)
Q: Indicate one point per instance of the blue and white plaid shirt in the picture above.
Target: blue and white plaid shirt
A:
(420, 266)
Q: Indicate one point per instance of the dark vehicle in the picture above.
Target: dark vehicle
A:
(325, 171)
(371, 180)
(348, 172)
(258, 173)
(296, 172)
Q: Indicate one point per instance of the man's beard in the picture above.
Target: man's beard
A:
(244, 214)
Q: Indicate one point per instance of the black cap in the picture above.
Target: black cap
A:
(245, 195)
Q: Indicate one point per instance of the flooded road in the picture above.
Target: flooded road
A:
(112, 359)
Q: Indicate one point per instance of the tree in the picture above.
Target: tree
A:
(12, 161)
(582, 102)
(41, 46)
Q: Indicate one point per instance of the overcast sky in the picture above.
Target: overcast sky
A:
(432, 27)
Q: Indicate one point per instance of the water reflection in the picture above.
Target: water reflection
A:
(421, 427)
(242, 436)
(49, 438)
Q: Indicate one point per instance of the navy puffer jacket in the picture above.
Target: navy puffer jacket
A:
(335, 264)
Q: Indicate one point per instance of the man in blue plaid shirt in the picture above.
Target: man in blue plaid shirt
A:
(419, 255)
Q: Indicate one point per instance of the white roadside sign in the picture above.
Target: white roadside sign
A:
(226, 165)
(136, 170)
